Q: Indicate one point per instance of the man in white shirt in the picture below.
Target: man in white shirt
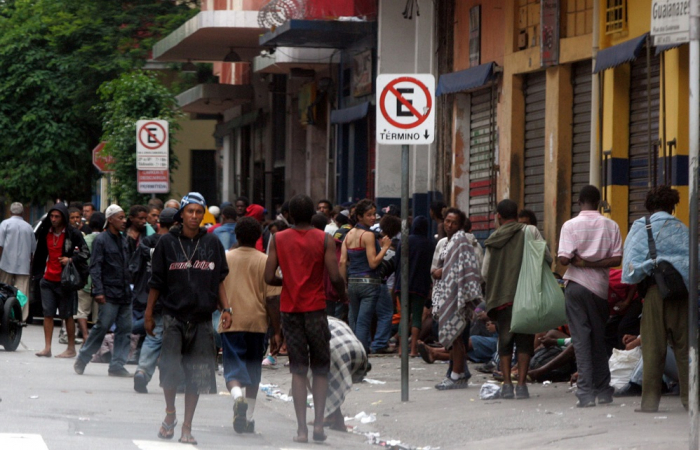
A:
(17, 246)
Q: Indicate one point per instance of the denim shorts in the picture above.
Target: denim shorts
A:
(54, 296)
(243, 355)
(188, 355)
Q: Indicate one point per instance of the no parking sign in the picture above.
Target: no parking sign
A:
(406, 109)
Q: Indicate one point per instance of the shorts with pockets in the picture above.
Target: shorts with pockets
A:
(188, 355)
(308, 342)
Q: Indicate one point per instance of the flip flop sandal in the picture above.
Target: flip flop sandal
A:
(187, 439)
(169, 430)
(319, 437)
(300, 440)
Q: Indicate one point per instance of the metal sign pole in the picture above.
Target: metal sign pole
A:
(694, 113)
(404, 273)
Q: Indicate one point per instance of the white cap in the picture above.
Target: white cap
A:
(112, 210)
(215, 211)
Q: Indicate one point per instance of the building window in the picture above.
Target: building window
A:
(615, 16)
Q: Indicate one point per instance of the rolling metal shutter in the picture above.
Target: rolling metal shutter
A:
(641, 132)
(482, 144)
(581, 131)
(535, 93)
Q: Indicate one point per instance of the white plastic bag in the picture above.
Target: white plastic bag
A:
(622, 364)
(490, 391)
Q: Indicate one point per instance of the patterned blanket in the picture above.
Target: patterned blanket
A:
(458, 292)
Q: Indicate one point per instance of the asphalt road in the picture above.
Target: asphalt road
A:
(45, 405)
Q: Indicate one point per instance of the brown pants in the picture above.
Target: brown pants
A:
(663, 322)
(21, 282)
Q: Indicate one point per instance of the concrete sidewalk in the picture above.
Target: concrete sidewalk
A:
(459, 419)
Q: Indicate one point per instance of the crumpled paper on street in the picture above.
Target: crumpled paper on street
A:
(272, 390)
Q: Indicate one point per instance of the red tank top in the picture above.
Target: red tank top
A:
(301, 256)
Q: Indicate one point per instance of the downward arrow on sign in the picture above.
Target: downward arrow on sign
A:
(426, 134)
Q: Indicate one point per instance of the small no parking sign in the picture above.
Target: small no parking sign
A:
(406, 109)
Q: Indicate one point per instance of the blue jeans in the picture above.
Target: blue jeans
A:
(110, 313)
(215, 317)
(150, 350)
(337, 309)
(363, 302)
(385, 312)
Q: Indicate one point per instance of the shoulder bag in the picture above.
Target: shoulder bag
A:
(666, 278)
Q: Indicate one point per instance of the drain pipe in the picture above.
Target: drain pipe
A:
(596, 131)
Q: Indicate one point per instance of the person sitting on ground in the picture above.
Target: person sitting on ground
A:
(625, 309)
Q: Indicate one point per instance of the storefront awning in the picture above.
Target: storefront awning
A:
(214, 98)
(210, 36)
(318, 34)
(225, 128)
(351, 114)
(465, 80)
(619, 54)
(286, 58)
(662, 48)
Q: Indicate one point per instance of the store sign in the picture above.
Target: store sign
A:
(549, 33)
(670, 21)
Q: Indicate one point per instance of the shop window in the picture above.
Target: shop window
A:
(615, 16)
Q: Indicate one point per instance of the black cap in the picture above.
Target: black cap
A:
(167, 216)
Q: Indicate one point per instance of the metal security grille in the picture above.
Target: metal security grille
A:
(535, 93)
(482, 144)
(643, 132)
(581, 136)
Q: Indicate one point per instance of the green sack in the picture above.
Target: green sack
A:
(539, 301)
(21, 298)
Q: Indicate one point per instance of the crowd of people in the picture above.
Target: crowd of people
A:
(177, 285)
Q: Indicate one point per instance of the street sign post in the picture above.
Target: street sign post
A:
(670, 22)
(102, 161)
(405, 116)
(153, 181)
(152, 144)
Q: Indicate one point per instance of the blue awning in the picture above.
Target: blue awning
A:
(351, 114)
(465, 80)
(662, 48)
(619, 54)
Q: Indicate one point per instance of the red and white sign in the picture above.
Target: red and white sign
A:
(153, 181)
(405, 109)
(102, 161)
(152, 144)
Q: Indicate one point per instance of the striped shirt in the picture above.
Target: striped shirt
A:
(592, 237)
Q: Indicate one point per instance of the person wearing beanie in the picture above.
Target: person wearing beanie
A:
(188, 269)
(111, 289)
(17, 245)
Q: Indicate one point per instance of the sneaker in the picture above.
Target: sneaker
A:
(79, 366)
(507, 392)
(240, 407)
(140, 382)
(121, 372)
(448, 383)
(521, 392)
(63, 339)
(585, 403)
